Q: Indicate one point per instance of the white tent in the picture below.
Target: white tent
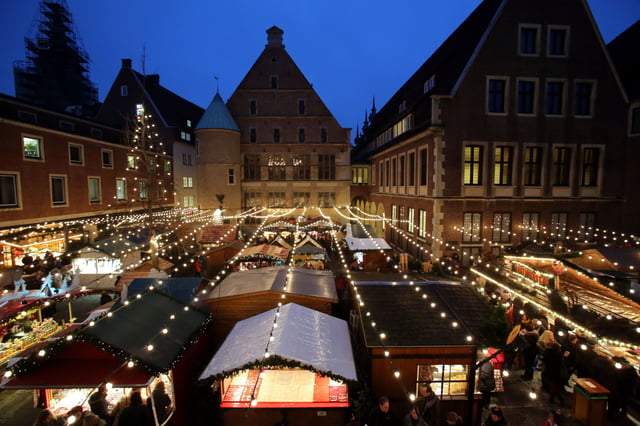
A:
(302, 281)
(357, 240)
(313, 339)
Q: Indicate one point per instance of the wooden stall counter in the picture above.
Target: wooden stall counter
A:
(590, 402)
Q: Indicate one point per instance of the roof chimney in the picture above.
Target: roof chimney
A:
(274, 36)
(126, 63)
(153, 79)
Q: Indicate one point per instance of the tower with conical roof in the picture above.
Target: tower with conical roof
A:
(219, 158)
(55, 74)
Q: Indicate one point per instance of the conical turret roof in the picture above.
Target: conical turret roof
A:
(217, 116)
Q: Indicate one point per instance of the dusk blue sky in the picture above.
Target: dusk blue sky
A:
(350, 50)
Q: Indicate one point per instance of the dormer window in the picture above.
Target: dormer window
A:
(429, 84)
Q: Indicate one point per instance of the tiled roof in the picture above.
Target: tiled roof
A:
(408, 319)
(217, 116)
(447, 64)
(623, 51)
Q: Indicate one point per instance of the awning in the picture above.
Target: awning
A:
(313, 339)
(265, 250)
(357, 240)
(74, 373)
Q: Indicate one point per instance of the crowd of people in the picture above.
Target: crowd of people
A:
(131, 410)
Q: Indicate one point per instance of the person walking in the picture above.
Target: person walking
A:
(428, 404)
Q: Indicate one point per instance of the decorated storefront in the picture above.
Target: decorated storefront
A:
(164, 341)
(305, 370)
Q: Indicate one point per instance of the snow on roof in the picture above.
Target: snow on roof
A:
(314, 339)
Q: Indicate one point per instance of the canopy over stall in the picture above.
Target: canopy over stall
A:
(274, 278)
(359, 240)
(304, 336)
(267, 251)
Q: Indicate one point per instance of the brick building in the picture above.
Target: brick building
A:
(513, 130)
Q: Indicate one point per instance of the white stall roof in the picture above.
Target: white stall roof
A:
(303, 335)
(307, 282)
(357, 240)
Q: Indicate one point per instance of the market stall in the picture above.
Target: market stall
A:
(309, 365)
(438, 348)
(369, 253)
(243, 294)
(261, 256)
(164, 340)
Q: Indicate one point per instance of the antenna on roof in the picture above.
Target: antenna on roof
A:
(217, 83)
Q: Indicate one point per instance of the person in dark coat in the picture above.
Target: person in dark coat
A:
(161, 402)
(428, 404)
(99, 405)
(381, 415)
(495, 417)
(136, 414)
(486, 381)
(552, 379)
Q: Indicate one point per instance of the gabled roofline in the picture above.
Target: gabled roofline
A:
(478, 47)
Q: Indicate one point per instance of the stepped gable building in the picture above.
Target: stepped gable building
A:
(513, 130)
(275, 143)
(174, 118)
(623, 51)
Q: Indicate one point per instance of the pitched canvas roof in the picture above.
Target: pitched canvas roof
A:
(303, 281)
(144, 319)
(265, 250)
(358, 240)
(183, 288)
(408, 319)
(315, 340)
(218, 234)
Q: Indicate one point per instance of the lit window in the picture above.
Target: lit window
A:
(131, 161)
(590, 165)
(94, 190)
(143, 189)
(121, 189)
(501, 232)
(532, 172)
(473, 165)
(472, 227)
(503, 163)
(187, 182)
(530, 226)
(231, 176)
(561, 166)
(32, 148)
